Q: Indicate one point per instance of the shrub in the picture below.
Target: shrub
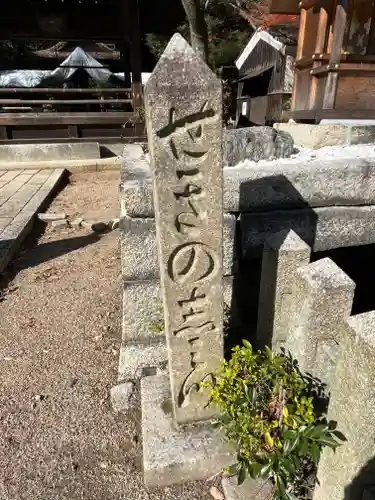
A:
(268, 411)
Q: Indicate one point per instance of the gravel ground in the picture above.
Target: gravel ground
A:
(60, 331)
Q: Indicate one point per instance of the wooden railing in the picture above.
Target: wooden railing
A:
(49, 114)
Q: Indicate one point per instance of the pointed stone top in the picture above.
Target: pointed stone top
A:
(325, 273)
(180, 65)
(177, 45)
(286, 240)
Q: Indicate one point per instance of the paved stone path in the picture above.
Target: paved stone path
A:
(22, 194)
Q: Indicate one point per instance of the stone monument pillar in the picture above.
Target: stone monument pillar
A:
(183, 103)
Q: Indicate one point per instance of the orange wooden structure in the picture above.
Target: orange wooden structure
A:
(335, 62)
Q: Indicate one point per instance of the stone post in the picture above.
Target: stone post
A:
(323, 296)
(349, 473)
(183, 102)
(283, 253)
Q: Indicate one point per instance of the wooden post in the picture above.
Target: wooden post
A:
(125, 62)
(334, 59)
(132, 34)
(300, 44)
(319, 49)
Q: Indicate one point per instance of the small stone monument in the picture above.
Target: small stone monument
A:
(183, 100)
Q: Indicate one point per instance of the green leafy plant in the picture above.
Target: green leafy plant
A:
(268, 411)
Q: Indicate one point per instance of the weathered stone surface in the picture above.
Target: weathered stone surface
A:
(59, 224)
(140, 360)
(320, 136)
(49, 152)
(349, 471)
(49, 217)
(322, 298)
(139, 252)
(255, 143)
(346, 181)
(183, 103)
(283, 254)
(120, 396)
(321, 228)
(176, 454)
(136, 196)
(142, 319)
(250, 489)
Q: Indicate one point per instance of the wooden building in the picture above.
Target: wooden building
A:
(90, 21)
(335, 61)
(266, 70)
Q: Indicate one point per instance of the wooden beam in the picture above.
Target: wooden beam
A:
(32, 119)
(284, 7)
(58, 91)
(60, 102)
(114, 139)
(335, 58)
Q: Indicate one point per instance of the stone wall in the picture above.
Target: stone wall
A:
(306, 308)
(279, 213)
(327, 205)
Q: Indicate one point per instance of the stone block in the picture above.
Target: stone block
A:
(176, 454)
(255, 144)
(283, 254)
(142, 319)
(327, 134)
(344, 181)
(322, 298)
(139, 252)
(250, 489)
(49, 152)
(120, 396)
(140, 360)
(322, 228)
(349, 473)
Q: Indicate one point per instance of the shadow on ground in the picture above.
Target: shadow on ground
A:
(53, 249)
(363, 485)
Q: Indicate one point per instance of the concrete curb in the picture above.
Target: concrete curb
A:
(73, 166)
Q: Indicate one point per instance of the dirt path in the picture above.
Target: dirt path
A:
(60, 331)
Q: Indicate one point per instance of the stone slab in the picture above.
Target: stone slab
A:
(283, 254)
(140, 360)
(142, 309)
(322, 228)
(183, 107)
(250, 489)
(49, 152)
(322, 135)
(139, 252)
(344, 181)
(120, 396)
(176, 454)
(322, 299)
(350, 471)
(23, 209)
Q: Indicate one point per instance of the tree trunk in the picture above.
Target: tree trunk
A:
(198, 27)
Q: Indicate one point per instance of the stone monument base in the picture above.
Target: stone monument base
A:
(175, 455)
